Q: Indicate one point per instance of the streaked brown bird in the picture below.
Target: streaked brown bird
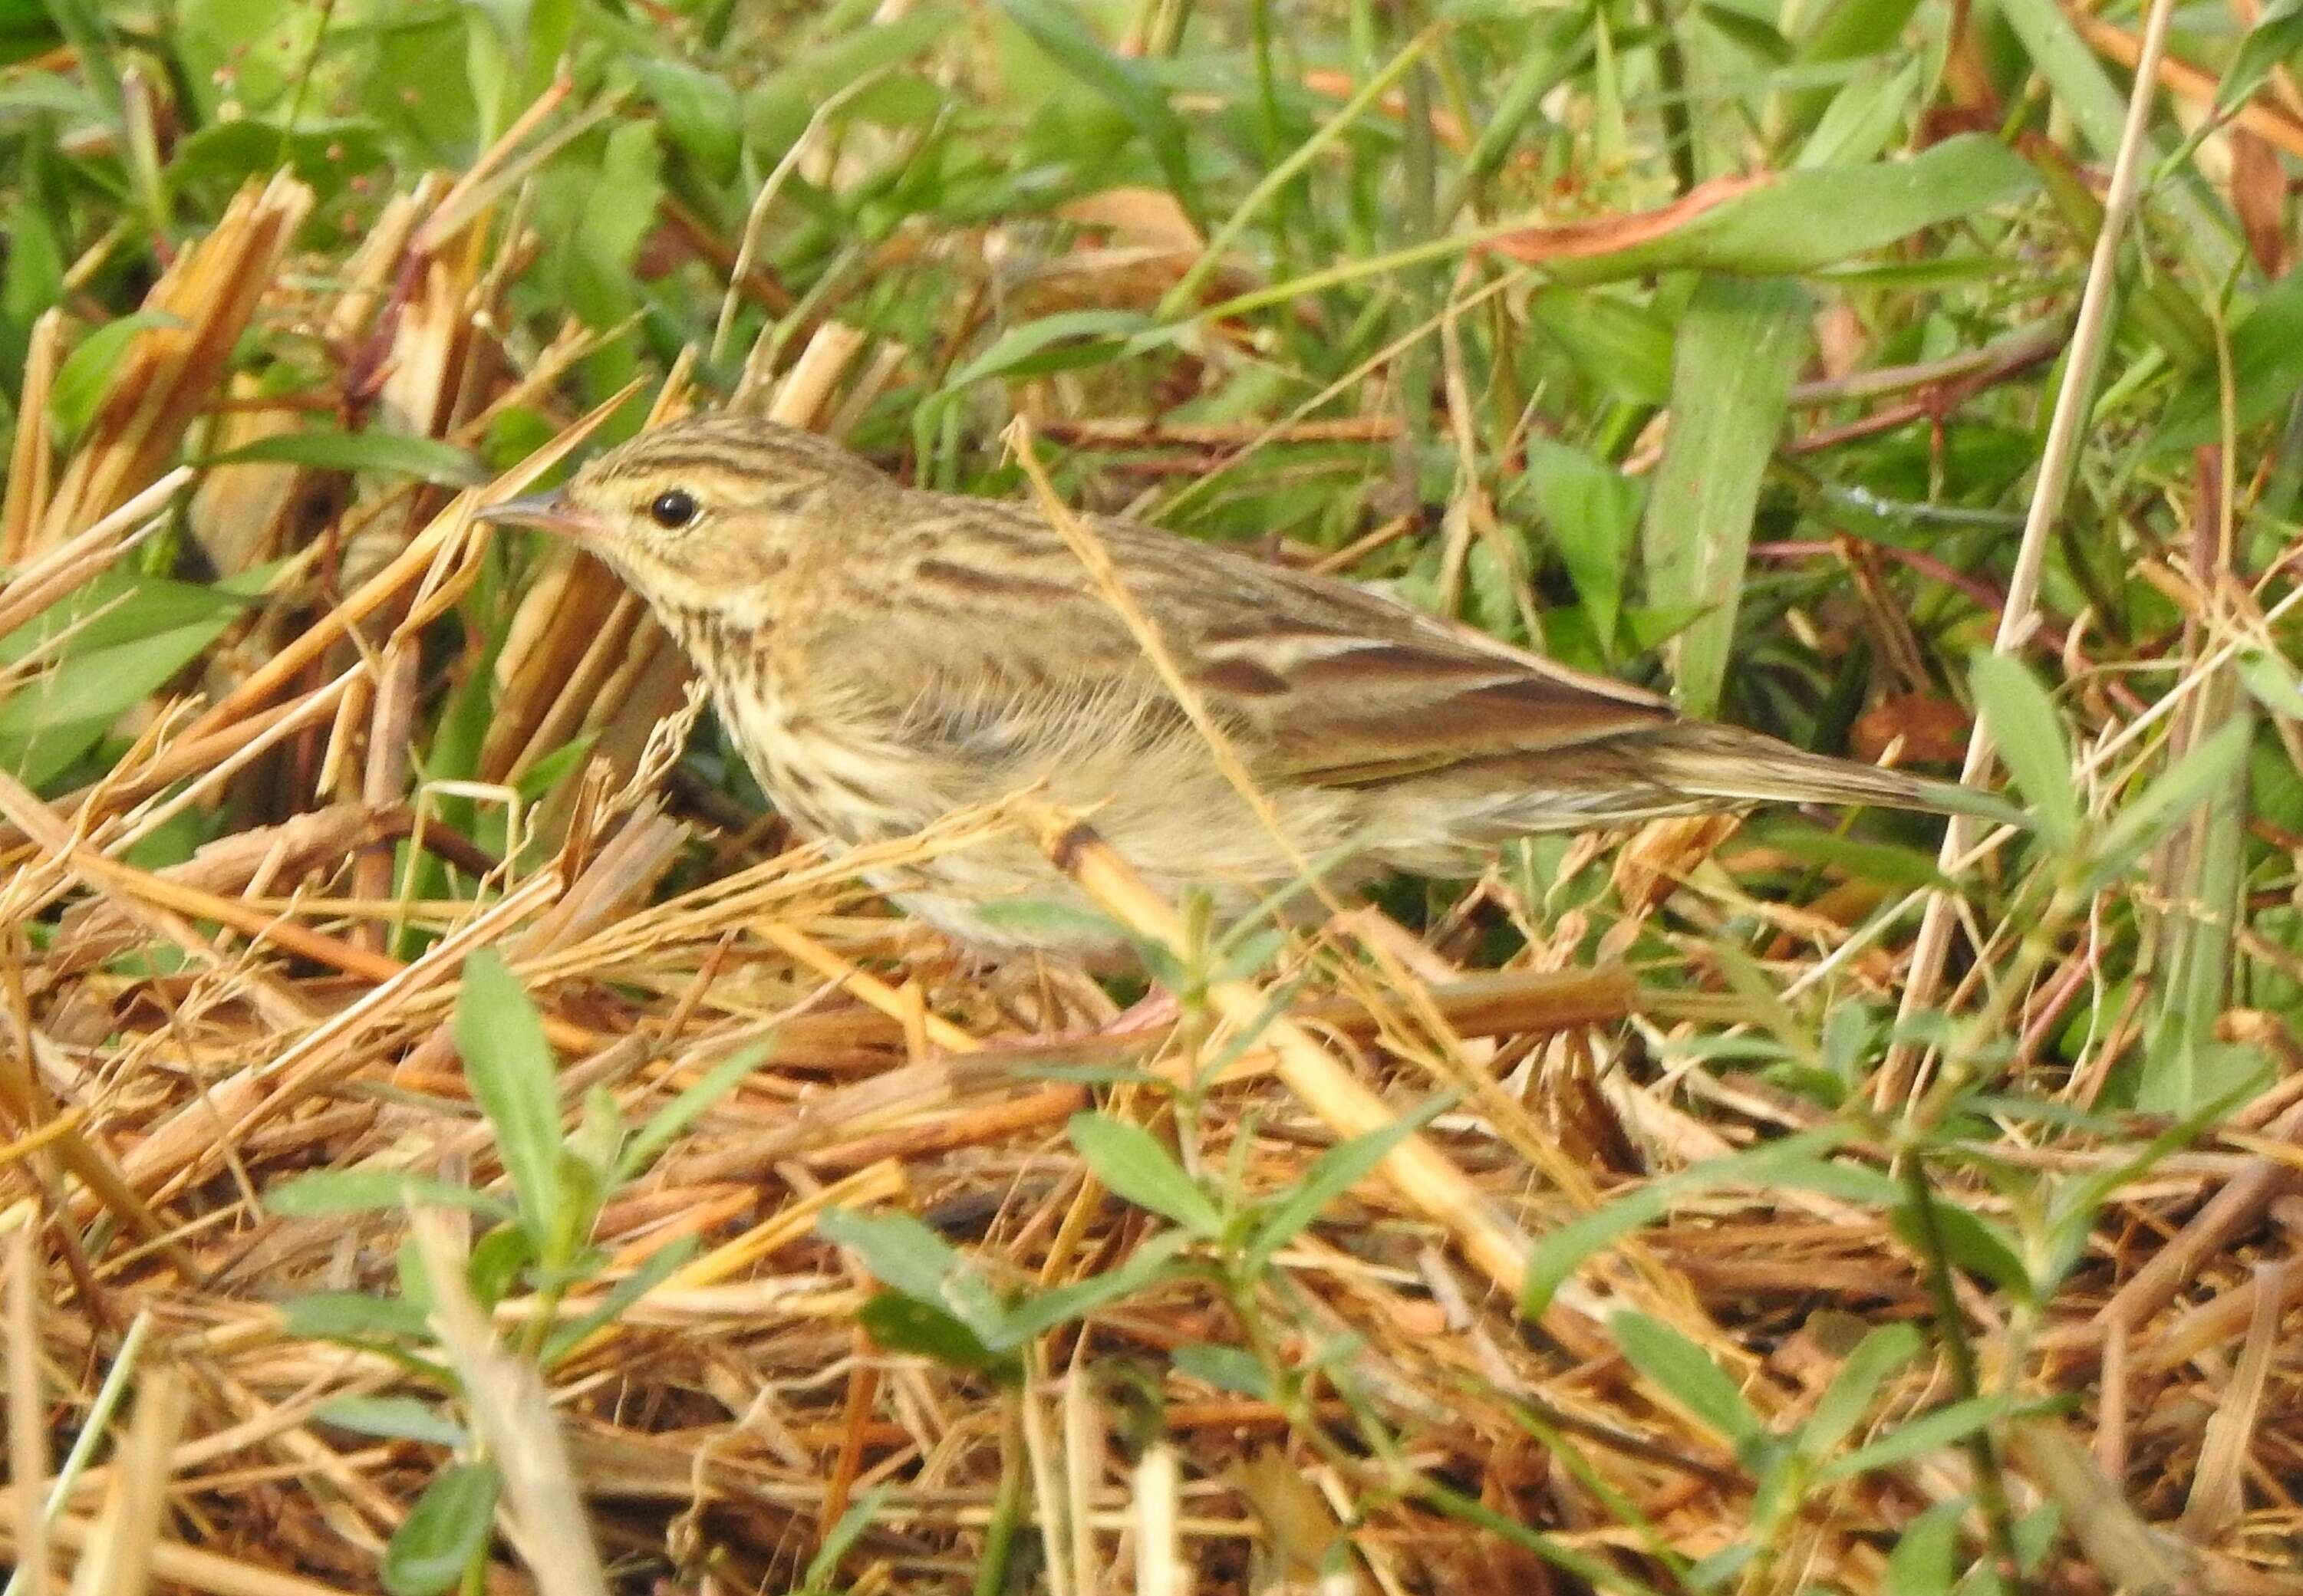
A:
(885, 656)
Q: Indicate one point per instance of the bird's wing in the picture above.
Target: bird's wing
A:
(1343, 686)
(993, 631)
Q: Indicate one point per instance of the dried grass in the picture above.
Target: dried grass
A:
(726, 1419)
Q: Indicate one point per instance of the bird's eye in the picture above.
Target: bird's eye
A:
(673, 509)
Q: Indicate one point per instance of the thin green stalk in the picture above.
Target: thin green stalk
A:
(1187, 288)
(1007, 1501)
(1951, 1330)
(1671, 69)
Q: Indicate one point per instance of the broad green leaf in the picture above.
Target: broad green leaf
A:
(1687, 1372)
(444, 1532)
(374, 1190)
(395, 1418)
(129, 636)
(1130, 1160)
(389, 453)
(1863, 118)
(516, 1080)
(897, 1323)
(2030, 736)
(1040, 919)
(1970, 1242)
(2266, 369)
(1930, 1431)
(1850, 30)
(2271, 678)
(777, 112)
(1739, 346)
(1848, 1399)
(1593, 513)
(1925, 1561)
(702, 112)
(1891, 864)
(1790, 223)
(1226, 1368)
(908, 1258)
(350, 1316)
(1621, 346)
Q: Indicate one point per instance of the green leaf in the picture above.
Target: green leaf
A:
(2266, 367)
(1334, 1172)
(1226, 1368)
(1798, 222)
(1146, 1265)
(2271, 679)
(1687, 1372)
(1796, 1159)
(1739, 346)
(1929, 1432)
(2277, 34)
(1621, 346)
(374, 1191)
(1097, 333)
(1593, 513)
(897, 1323)
(1925, 1561)
(1041, 919)
(2029, 736)
(2196, 778)
(844, 1535)
(1131, 1161)
(1058, 29)
(1971, 1242)
(908, 1258)
(130, 636)
(388, 453)
(1863, 118)
(515, 1078)
(1848, 1399)
(350, 1316)
(653, 1271)
(444, 1533)
(395, 1418)
(702, 112)
(777, 112)
(675, 1116)
(87, 371)
(1890, 864)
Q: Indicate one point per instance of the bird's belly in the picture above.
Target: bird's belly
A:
(831, 785)
(1167, 811)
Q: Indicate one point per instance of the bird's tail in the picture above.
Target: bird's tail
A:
(1736, 767)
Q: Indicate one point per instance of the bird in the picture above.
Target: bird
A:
(884, 656)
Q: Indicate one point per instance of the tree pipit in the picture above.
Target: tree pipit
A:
(885, 656)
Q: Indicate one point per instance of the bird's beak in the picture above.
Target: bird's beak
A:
(547, 512)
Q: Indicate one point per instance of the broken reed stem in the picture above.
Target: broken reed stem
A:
(1346, 1106)
(2074, 399)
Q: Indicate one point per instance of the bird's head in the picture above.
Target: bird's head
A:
(703, 511)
